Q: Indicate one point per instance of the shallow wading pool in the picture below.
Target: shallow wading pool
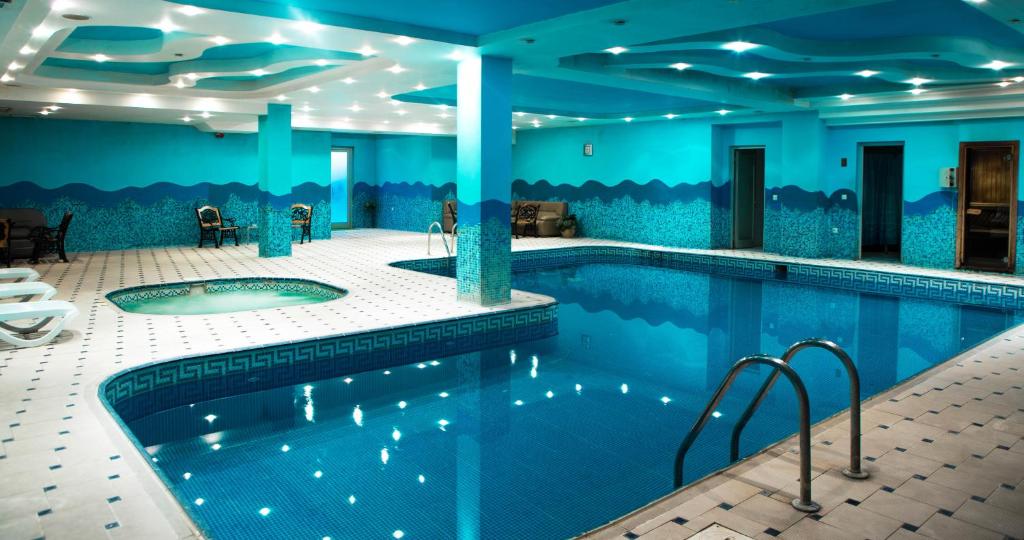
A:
(529, 438)
(222, 296)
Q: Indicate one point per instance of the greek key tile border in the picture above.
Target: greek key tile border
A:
(945, 289)
(302, 286)
(162, 385)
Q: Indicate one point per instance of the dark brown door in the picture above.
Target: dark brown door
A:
(987, 210)
(748, 198)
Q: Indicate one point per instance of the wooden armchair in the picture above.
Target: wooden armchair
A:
(302, 218)
(210, 223)
(46, 240)
(525, 219)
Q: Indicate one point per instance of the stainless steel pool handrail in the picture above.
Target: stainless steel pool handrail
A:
(440, 229)
(455, 244)
(804, 503)
(854, 471)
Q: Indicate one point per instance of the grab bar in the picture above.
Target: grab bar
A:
(440, 229)
(854, 471)
(455, 244)
(804, 503)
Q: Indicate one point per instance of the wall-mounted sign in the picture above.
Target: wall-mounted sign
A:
(588, 149)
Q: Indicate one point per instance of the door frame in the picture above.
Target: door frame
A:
(961, 184)
(860, 191)
(735, 187)
(350, 151)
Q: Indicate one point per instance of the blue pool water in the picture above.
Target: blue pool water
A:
(543, 439)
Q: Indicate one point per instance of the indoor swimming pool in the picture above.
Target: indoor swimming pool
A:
(541, 439)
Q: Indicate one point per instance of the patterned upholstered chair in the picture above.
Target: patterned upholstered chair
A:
(525, 219)
(210, 223)
(302, 218)
(5, 241)
(46, 240)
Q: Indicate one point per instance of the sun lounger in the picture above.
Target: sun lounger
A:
(18, 274)
(27, 291)
(43, 312)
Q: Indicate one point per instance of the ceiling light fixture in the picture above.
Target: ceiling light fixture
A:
(917, 91)
(61, 5)
(281, 97)
(191, 76)
(845, 97)
(186, 119)
(306, 108)
(420, 87)
(997, 65)
(55, 108)
(355, 107)
(100, 57)
(396, 69)
(44, 112)
(444, 115)
(6, 77)
(189, 11)
(220, 40)
(756, 75)
(552, 117)
(314, 89)
(679, 66)
(348, 80)
(739, 46)
(401, 112)
(180, 83)
(866, 73)
(321, 62)
(536, 123)
(628, 119)
(1003, 84)
(366, 50)
(308, 27)
(670, 116)
(1018, 79)
(276, 39)
(383, 95)
(581, 119)
(918, 81)
(166, 26)
(41, 31)
(205, 114)
(723, 112)
(259, 72)
(519, 113)
(26, 50)
(403, 40)
(14, 66)
(616, 50)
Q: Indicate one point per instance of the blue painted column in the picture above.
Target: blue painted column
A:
(275, 173)
(484, 175)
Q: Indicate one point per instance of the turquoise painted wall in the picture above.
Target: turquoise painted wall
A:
(414, 175)
(134, 185)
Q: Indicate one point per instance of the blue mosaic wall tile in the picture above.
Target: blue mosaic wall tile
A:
(929, 239)
(401, 206)
(161, 214)
(1020, 238)
(275, 232)
(484, 255)
(163, 385)
(843, 233)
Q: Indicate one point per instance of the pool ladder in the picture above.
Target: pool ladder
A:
(781, 365)
(448, 249)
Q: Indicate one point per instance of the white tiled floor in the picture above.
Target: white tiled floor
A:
(68, 471)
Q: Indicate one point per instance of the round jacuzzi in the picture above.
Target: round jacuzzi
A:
(222, 296)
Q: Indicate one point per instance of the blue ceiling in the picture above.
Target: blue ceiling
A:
(116, 33)
(900, 18)
(567, 98)
(473, 17)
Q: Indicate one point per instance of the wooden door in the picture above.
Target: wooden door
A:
(987, 208)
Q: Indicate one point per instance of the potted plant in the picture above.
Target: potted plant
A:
(567, 226)
(371, 212)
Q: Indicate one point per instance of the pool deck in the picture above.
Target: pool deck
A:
(945, 448)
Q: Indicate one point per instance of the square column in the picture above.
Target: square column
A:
(275, 176)
(484, 176)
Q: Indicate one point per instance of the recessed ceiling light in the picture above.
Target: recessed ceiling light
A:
(723, 112)
(1018, 79)
(281, 97)
(189, 11)
(997, 65)
(180, 83)
(348, 80)
(918, 81)
(519, 113)
(220, 40)
(670, 116)
(306, 108)
(401, 112)
(14, 66)
(61, 5)
(26, 50)
(628, 119)
(44, 112)
(581, 119)
(866, 73)
(205, 114)
(917, 91)
(383, 95)
(739, 46)
(396, 69)
(41, 31)
(552, 117)
(276, 39)
(308, 26)
(355, 107)
(313, 89)
(366, 50)
(458, 55)
(515, 127)
(186, 119)
(403, 40)
(321, 62)
(444, 115)
(845, 97)
(680, 66)
(191, 76)
(756, 75)
(166, 26)
(100, 57)
(536, 123)
(1003, 84)
(55, 108)
(6, 77)
(616, 50)
(420, 87)
(259, 72)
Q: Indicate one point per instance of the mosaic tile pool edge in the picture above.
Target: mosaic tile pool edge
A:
(875, 281)
(305, 286)
(164, 383)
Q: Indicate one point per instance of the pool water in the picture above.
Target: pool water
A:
(223, 296)
(549, 438)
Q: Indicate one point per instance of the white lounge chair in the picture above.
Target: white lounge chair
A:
(44, 311)
(18, 274)
(27, 290)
